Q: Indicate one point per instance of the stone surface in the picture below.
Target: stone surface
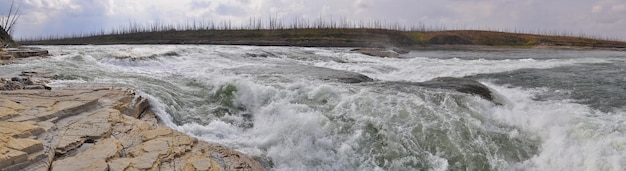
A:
(201, 163)
(92, 127)
(9, 109)
(19, 129)
(10, 157)
(29, 146)
(119, 164)
(26, 52)
(7, 55)
(92, 159)
(27, 80)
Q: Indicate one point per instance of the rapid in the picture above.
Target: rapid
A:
(291, 108)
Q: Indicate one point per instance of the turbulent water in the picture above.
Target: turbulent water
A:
(292, 109)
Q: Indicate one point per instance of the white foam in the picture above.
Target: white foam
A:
(422, 68)
(316, 125)
(573, 136)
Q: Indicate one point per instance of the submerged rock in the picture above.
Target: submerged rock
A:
(307, 71)
(146, 58)
(463, 85)
(382, 52)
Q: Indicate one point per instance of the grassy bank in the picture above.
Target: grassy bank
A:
(491, 38)
(336, 37)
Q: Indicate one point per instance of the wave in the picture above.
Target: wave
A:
(292, 121)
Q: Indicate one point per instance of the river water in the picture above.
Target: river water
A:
(560, 110)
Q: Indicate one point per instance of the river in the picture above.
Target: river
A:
(291, 108)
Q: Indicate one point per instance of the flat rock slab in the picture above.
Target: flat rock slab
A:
(99, 128)
(26, 52)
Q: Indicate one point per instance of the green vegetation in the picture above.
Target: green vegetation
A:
(7, 24)
(492, 38)
(320, 33)
(5, 38)
(327, 37)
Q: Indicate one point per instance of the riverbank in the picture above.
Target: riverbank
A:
(337, 37)
(99, 127)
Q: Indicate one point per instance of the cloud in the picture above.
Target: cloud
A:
(363, 4)
(41, 17)
(200, 4)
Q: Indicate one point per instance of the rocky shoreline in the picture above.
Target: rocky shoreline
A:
(97, 127)
(7, 55)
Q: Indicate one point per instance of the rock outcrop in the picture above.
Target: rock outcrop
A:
(5, 58)
(25, 52)
(87, 127)
(27, 80)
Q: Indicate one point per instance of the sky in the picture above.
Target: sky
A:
(603, 18)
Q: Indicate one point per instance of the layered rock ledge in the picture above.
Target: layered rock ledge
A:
(7, 55)
(87, 127)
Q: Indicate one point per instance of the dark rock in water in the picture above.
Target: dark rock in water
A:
(14, 85)
(377, 52)
(382, 52)
(23, 80)
(131, 58)
(35, 87)
(401, 50)
(352, 77)
(463, 85)
(254, 55)
(147, 58)
(170, 54)
(39, 74)
(328, 74)
(27, 80)
(307, 71)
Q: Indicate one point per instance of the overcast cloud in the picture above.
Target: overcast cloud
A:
(593, 17)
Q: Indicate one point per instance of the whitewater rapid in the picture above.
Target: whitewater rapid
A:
(235, 96)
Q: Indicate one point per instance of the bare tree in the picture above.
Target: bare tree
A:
(8, 22)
